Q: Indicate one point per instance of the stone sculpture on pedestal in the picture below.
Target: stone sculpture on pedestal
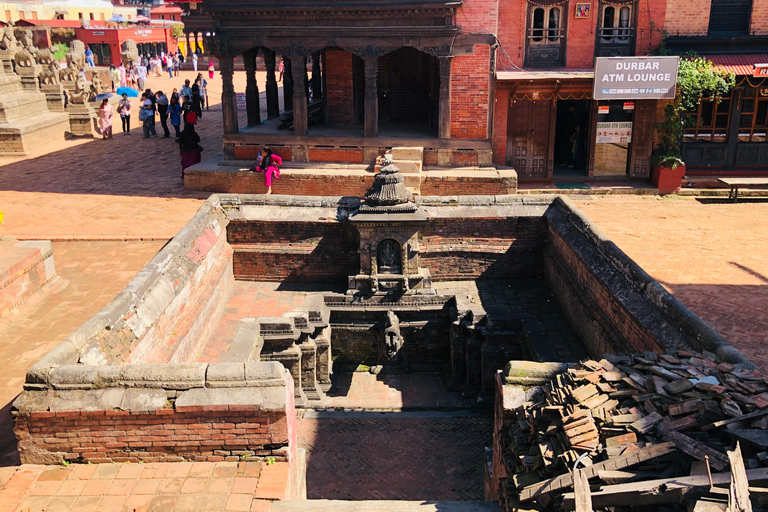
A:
(129, 53)
(76, 54)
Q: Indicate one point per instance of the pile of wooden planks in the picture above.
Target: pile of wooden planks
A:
(630, 419)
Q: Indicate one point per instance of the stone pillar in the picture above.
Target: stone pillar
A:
(287, 84)
(444, 101)
(197, 46)
(252, 103)
(228, 98)
(299, 75)
(317, 83)
(273, 101)
(371, 108)
(189, 46)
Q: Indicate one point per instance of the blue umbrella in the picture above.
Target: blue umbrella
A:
(104, 96)
(117, 18)
(132, 93)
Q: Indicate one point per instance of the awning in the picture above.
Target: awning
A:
(739, 64)
(557, 74)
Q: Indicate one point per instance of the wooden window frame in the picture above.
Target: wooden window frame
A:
(550, 38)
(694, 133)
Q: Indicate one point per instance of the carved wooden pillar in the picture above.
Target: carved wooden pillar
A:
(189, 46)
(197, 45)
(299, 75)
(371, 108)
(444, 101)
(273, 102)
(228, 98)
(252, 103)
(317, 92)
(287, 84)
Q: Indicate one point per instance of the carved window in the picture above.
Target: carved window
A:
(709, 121)
(545, 41)
(616, 24)
(545, 25)
(729, 17)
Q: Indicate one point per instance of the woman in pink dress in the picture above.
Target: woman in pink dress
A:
(105, 119)
(269, 164)
(210, 70)
(121, 69)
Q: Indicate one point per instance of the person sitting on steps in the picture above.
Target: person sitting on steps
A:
(269, 164)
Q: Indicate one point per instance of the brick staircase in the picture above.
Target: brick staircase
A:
(384, 506)
(25, 121)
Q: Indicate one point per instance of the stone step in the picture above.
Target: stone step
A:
(409, 166)
(9, 84)
(21, 105)
(25, 135)
(412, 180)
(407, 153)
(384, 506)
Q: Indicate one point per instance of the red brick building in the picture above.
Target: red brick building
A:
(105, 42)
(545, 119)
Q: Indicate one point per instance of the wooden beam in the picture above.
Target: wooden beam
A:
(581, 491)
(696, 449)
(738, 493)
(722, 423)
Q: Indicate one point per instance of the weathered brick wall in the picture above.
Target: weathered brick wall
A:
(483, 247)
(470, 83)
(338, 81)
(32, 270)
(303, 184)
(479, 16)
(293, 251)
(500, 122)
(689, 18)
(580, 42)
(758, 24)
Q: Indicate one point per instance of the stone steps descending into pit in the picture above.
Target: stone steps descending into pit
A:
(410, 161)
(384, 506)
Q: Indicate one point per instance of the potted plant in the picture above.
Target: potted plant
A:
(696, 81)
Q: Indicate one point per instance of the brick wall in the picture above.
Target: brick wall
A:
(500, 122)
(299, 184)
(689, 18)
(758, 24)
(580, 41)
(30, 268)
(470, 85)
(479, 16)
(338, 82)
(202, 433)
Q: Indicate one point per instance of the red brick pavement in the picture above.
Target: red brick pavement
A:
(395, 456)
(710, 253)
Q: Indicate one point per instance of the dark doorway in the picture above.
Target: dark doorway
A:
(571, 138)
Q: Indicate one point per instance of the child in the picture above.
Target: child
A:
(268, 163)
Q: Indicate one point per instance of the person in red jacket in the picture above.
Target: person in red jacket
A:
(269, 164)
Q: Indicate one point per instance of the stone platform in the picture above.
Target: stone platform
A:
(25, 269)
(339, 179)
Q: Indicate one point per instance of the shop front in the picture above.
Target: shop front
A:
(579, 124)
(106, 42)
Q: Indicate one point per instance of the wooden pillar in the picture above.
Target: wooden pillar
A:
(287, 85)
(299, 75)
(189, 46)
(252, 103)
(317, 91)
(197, 45)
(371, 107)
(444, 100)
(228, 98)
(273, 102)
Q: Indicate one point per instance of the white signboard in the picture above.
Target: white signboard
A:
(240, 96)
(617, 133)
(635, 78)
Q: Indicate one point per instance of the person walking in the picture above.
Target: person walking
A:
(169, 66)
(186, 90)
(269, 164)
(203, 92)
(147, 116)
(281, 69)
(196, 102)
(210, 70)
(162, 109)
(114, 76)
(124, 109)
(174, 109)
(194, 61)
(176, 65)
(89, 57)
(189, 144)
(141, 75)
(121, 70)
(105, 119)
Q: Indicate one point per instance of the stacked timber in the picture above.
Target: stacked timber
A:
(647, 421)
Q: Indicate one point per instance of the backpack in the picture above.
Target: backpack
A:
(144, 114)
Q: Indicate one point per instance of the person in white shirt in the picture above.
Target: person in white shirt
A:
(194, 61)
(141, 75)
(186, 91)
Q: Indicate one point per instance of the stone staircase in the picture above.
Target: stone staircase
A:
(410, 161)
(25, 121)
(384, 506)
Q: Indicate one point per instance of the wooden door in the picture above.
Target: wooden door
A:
(642, 138)
(528, 138)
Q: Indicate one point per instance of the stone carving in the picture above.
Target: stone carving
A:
(437, 51)
(68, 74)
(370, 50)
(8, 40)
(388, 187)
(45, 57)
(76, 54)
(23, 59)
(50, 75)
(81, 95)
(129, 53)
(97, 85)
(388, 257)
(393, 340)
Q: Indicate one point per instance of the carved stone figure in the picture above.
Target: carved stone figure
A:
(7, 40)
(50, 75)
(45, 57)
(68, 74)
(129, 53)
(80, 95)
(28, 41)
(388, 260)
(76, 54)
(393, 340)
(97, 85)
(23, 58)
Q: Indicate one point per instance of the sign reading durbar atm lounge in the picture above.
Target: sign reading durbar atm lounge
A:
(635, 78)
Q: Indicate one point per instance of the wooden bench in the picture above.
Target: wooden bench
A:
(735, 183)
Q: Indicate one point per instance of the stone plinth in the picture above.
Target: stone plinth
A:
(82, 120)
(6, 61)
(54, 96)
(29, 80)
